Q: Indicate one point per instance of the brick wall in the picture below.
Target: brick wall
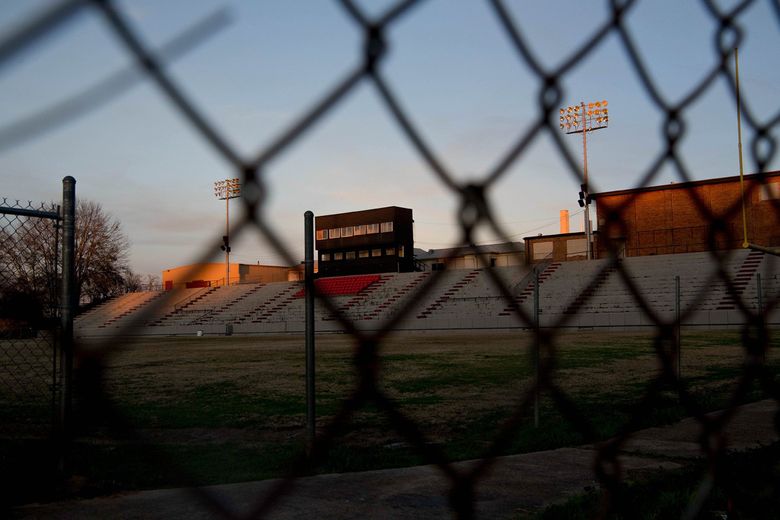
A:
(678, 218)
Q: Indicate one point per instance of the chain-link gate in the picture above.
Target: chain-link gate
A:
(475, 210)
(29, 317)
(36, 248)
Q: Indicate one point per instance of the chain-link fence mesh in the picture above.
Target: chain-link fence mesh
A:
(29, 270)
(475, 212)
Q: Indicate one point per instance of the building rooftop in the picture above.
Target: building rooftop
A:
(504, 247)
(683, 185)
(358, 212)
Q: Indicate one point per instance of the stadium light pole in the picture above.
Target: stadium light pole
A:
(745, 242)
(584, 118)
(225, 190)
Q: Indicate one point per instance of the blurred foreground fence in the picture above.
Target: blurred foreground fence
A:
(34, 351)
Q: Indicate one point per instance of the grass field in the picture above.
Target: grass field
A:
(228, 409)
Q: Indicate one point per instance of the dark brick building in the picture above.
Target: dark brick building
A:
(371, 241)
(667, 219)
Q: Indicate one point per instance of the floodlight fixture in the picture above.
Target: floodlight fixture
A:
(584, 118)
(227, 189)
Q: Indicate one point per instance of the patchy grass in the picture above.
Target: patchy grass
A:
(211, 405)
(227, 409)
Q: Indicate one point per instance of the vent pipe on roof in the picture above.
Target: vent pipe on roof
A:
(564, 221)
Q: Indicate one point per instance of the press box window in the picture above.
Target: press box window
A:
(350, 255)
(325, 257)
(386, 227)
(390, 251)
(376, 252)
(322, 234)
(347, 231)
(363, 254)
(338, 256)
(372, 228)
(334, 233)
(360, 230)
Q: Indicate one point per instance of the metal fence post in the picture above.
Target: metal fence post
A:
(67, 310)
(760, 298)
(677, 326)
(56, 286)
(309, 318)
(536, 346)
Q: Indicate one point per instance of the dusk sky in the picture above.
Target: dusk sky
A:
(454, 71)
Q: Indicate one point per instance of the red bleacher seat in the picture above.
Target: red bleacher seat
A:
(342, 285)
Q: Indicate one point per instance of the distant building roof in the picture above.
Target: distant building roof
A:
(557, 235)
(504, 247)
(363, 211)
(682, 185)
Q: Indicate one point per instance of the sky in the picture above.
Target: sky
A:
(450, 64)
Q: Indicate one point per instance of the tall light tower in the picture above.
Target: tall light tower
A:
(225, 190)
(582, 119)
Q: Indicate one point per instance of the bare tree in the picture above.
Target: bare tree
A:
(152, 282)
(101, 254)
(133, 282)
(30, 260)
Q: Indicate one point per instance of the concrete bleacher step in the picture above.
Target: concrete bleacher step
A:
(591, 289)
(283, 300)
(389, 303)
(744, 274)
(526, 293)
(137, 304)
(223, 308)
(259, 301)
(448, 294)
(180, 308)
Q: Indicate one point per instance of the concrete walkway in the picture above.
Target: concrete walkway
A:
(517, 483)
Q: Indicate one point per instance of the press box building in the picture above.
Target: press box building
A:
(361, 242)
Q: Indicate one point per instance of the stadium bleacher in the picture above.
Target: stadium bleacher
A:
(715, 291)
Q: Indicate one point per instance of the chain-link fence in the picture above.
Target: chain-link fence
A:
(29, 316)
(475, 212)
(36, 324)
